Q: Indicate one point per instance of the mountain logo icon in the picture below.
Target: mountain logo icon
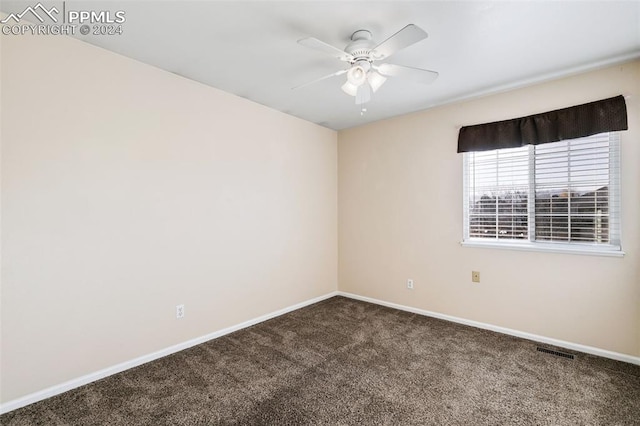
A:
(38, 11)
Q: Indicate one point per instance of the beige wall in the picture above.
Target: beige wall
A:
(127, 190)
(400, 217)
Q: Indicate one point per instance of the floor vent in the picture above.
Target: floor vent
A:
(556, 353)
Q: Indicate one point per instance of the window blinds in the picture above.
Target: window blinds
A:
(498, 191)
(564, 192)
(576, 190)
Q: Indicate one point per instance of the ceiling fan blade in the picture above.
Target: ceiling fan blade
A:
(416, 74)
(320, 79)
(363, 95)
(405, 37)
(316, 44)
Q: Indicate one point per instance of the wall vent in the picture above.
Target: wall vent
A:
(556, 353)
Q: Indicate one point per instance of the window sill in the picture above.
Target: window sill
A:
(548, 248)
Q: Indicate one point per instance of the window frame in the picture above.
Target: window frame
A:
(530, 244)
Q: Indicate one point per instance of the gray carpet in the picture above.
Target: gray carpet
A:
(345, 362)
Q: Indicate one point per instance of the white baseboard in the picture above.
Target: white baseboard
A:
(92, 377)
(555, 342)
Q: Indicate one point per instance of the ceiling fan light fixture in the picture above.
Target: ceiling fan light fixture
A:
(357, 75)
(363, 95)
(350, 89)
(376, 80)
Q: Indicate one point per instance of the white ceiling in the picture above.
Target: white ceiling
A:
(478, 47)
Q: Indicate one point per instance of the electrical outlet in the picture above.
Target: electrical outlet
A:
(179, 311)
(475, 276)
(410, 284)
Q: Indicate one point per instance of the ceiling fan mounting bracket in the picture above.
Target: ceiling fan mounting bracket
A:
(361, 35)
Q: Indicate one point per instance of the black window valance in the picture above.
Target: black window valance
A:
(568, 123)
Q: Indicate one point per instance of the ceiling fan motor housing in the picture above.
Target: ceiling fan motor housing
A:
(360, 46)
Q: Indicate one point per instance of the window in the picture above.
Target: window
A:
(562, 195)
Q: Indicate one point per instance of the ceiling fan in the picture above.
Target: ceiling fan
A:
(364, 76)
